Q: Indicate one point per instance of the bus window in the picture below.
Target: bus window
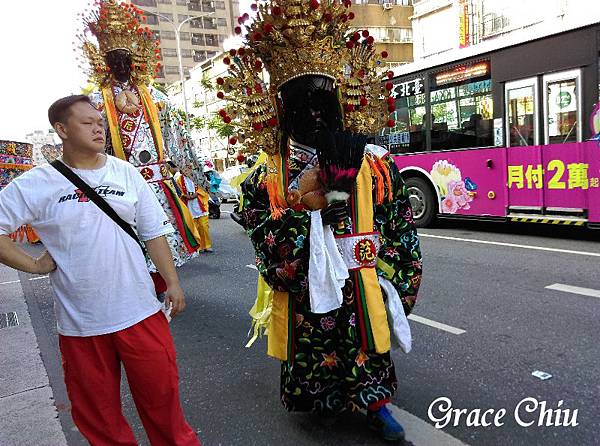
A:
(521, 119)
(462, 116)
(408, 134)
(562, 110)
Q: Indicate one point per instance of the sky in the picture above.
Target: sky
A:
(38, 62)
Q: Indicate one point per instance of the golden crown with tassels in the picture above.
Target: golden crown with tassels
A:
(116, 25)
(293, 38)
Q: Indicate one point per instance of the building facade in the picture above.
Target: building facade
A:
(388, 21)
(39, 139)
(200, 39)
(203, 102)
(474, 26)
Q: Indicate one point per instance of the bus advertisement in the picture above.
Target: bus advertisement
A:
(512, 134)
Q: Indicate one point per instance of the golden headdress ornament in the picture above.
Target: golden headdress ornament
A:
(119, 26)
(293, 38)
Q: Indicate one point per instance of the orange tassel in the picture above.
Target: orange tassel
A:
(388, 179)
(276, 201)
(380, 193)
(32, 236)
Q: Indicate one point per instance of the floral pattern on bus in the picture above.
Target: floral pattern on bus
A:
(456, 193)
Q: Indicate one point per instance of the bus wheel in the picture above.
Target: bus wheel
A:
(422, 201)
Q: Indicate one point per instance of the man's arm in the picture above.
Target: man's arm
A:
(13, 256)
(160, 253)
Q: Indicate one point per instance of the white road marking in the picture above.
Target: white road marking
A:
(438, 325)
(9, 282)
(39, 278)
(512, 245)
(574, 289)
(252, 267)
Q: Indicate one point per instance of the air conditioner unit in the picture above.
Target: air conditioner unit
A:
(387, 5)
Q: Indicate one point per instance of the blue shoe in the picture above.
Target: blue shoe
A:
(383, 422)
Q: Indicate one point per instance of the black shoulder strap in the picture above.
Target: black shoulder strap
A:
(97, 199)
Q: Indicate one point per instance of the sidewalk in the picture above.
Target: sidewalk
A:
(28, 415)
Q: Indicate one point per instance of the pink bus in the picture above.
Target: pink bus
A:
(512, 134)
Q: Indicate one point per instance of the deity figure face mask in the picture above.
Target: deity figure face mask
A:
(119, 62)
(310, 106)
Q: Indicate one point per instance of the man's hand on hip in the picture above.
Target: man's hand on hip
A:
(175, 300)
(45, 263)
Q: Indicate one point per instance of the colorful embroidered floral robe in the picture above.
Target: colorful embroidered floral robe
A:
(141, 151)
(327, 369)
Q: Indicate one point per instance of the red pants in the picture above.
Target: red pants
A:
(92, 368)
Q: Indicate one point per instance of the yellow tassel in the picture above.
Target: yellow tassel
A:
(388, 179)
(379, 187)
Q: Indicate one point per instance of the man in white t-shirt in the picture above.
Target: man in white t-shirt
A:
(105, 304)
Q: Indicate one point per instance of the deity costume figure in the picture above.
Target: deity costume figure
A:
(142, 127)
(328, 214)
(16, 159)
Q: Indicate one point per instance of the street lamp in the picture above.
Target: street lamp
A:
(177, 29)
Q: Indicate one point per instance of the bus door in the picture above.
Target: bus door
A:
(563, 155)
(525, 177)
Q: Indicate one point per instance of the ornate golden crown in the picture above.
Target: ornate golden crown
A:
(293, 38)
(119, 26)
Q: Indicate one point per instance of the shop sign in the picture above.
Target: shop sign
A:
(463, 73)
(409, 88)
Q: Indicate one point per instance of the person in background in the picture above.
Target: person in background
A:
(196, 198)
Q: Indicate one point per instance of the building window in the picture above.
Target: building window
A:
(211, 40)
(169, 52)
(182, 17)
(170, 69)
(167, 15)
(165, 2)
(391, 35)
(210, 54)
(208, 6)
(182, 2)
(184, 37)
(222, 38)
(167, 35)
(209, 23)
(151, 19)
(187, 53)
(194, 6)
(196, 23)
(398, 35)
(144, 2)
(199, 56)
(220, 5)
(197, 39)
(221, 22)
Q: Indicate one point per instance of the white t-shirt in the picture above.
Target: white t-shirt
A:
(101, 283)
